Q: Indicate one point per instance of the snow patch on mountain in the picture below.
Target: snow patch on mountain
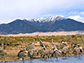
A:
(53, 18)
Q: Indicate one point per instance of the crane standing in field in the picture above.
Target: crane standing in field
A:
(31, 50)
(66, 49)
(54, 46)
(55, 51)
(61, 45)
(77, 50)
(44, 52)
(41, 44)
(2, 52)
(31, 53)
(22, 54)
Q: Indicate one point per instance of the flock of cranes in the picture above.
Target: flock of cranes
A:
(58, 50)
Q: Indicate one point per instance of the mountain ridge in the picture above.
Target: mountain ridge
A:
(51, 24)
(55, 17)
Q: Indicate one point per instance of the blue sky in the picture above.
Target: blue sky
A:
(30, 9)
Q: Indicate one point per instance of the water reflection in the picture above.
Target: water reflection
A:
(71, 59)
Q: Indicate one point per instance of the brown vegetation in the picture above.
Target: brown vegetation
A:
(16, 43)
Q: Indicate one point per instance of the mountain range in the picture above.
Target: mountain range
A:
(51, 24)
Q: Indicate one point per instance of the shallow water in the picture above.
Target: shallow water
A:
(71, 59)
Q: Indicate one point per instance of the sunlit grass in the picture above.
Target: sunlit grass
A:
(12, 41)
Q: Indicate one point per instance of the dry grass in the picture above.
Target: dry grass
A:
(27, 40)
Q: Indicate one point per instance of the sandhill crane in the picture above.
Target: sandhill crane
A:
(31, 53)
(74, 48)
(51, 52)
(41, 44)
(22, 54)
(66, 50)
(31, 50)
(73, 45)
(55, 52)
(2, 52)
(54, 46)
(2, 46)
(44, 52)
(36, 51)
(77, 50)
(61, 45)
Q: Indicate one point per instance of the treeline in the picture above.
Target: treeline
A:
(17, 40)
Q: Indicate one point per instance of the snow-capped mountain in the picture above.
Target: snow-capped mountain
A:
(39, 19)
(51, 24)
(53, 18)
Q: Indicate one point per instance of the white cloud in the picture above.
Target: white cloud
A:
(82, 13)
(12, 9)
(78, 18)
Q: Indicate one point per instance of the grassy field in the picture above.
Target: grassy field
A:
(17, 43)
(17, 40)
